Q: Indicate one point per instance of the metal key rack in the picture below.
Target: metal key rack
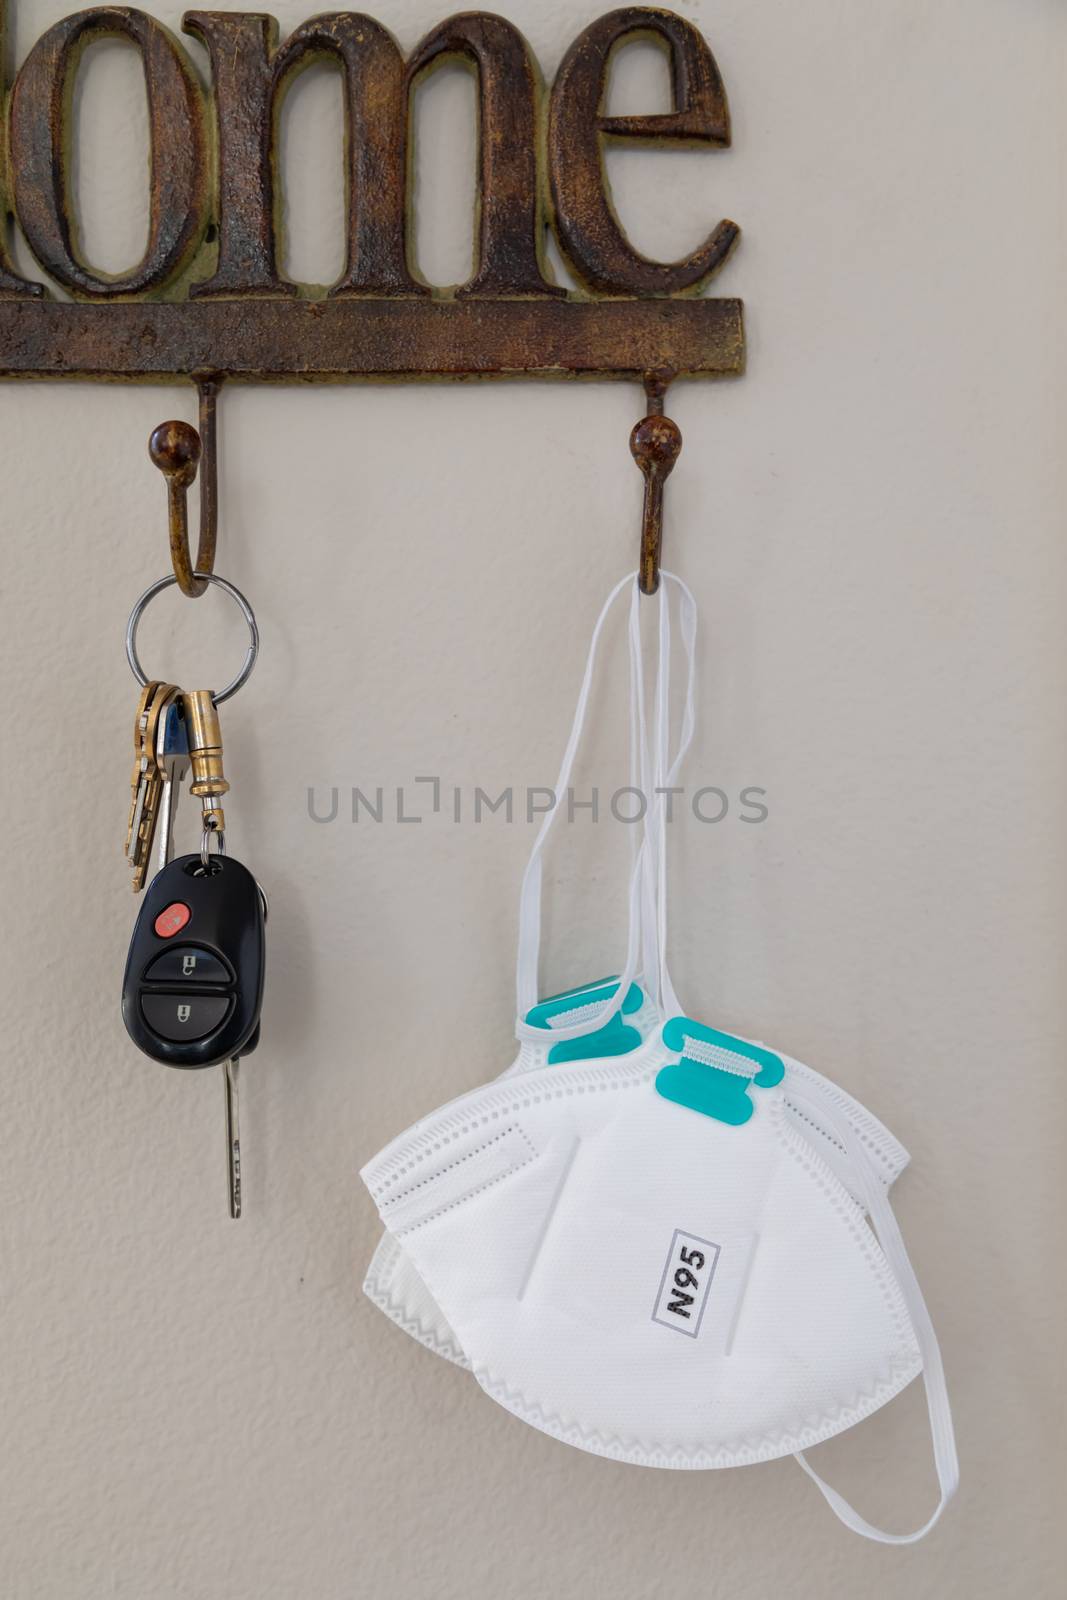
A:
(207, 302)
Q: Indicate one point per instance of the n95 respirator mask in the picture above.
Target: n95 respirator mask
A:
(650, 1238)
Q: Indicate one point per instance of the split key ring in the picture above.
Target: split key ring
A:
(235, 594)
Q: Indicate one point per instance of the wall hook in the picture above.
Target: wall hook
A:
(178, 450)
(654, 444)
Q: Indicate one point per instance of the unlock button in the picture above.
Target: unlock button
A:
(185, 1017)
(188, 964)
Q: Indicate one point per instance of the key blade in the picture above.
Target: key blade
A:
(133, 827)
(172, 762)
(233, 1136)
(165, 822)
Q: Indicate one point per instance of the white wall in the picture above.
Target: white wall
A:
(872, 520)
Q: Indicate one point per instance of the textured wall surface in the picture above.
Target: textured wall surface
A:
(872, 520)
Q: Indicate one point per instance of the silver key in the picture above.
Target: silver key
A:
(172, 759)
(233, 1136)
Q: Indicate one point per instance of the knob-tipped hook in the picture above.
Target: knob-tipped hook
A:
(654, 443)
(177, 449)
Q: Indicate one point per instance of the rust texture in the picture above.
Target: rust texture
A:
(40, 133)
(511, 224)
(589, 232)
(263, 341)
(655, 444)
(250, 76)
(208, 299)
(209, 295)
(177, 449)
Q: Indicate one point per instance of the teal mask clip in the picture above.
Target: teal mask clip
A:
(615, 1038)
(714, 1077)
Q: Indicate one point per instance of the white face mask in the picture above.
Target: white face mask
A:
(396, 1287)
(661, 1255)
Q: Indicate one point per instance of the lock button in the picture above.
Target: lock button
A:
(188, 964)
(185, 1017)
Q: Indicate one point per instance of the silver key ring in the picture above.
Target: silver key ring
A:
(235, 594)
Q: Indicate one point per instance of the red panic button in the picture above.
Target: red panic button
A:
(172, 920)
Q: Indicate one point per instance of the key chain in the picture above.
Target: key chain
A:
(193, 986)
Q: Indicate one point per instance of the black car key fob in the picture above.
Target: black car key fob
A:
(193, 987)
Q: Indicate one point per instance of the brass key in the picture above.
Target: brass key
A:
(205, 759)
(145, 815)
(147, 780)
(139, 777)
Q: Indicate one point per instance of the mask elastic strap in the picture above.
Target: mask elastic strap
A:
(665, 770)
(893, 1247)
(530, 895)
(642, 779)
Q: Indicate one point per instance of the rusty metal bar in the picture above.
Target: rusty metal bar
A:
(293, 340)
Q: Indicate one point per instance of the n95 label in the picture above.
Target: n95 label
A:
(686, 1282)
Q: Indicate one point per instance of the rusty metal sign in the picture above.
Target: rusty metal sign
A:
(208, 295)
